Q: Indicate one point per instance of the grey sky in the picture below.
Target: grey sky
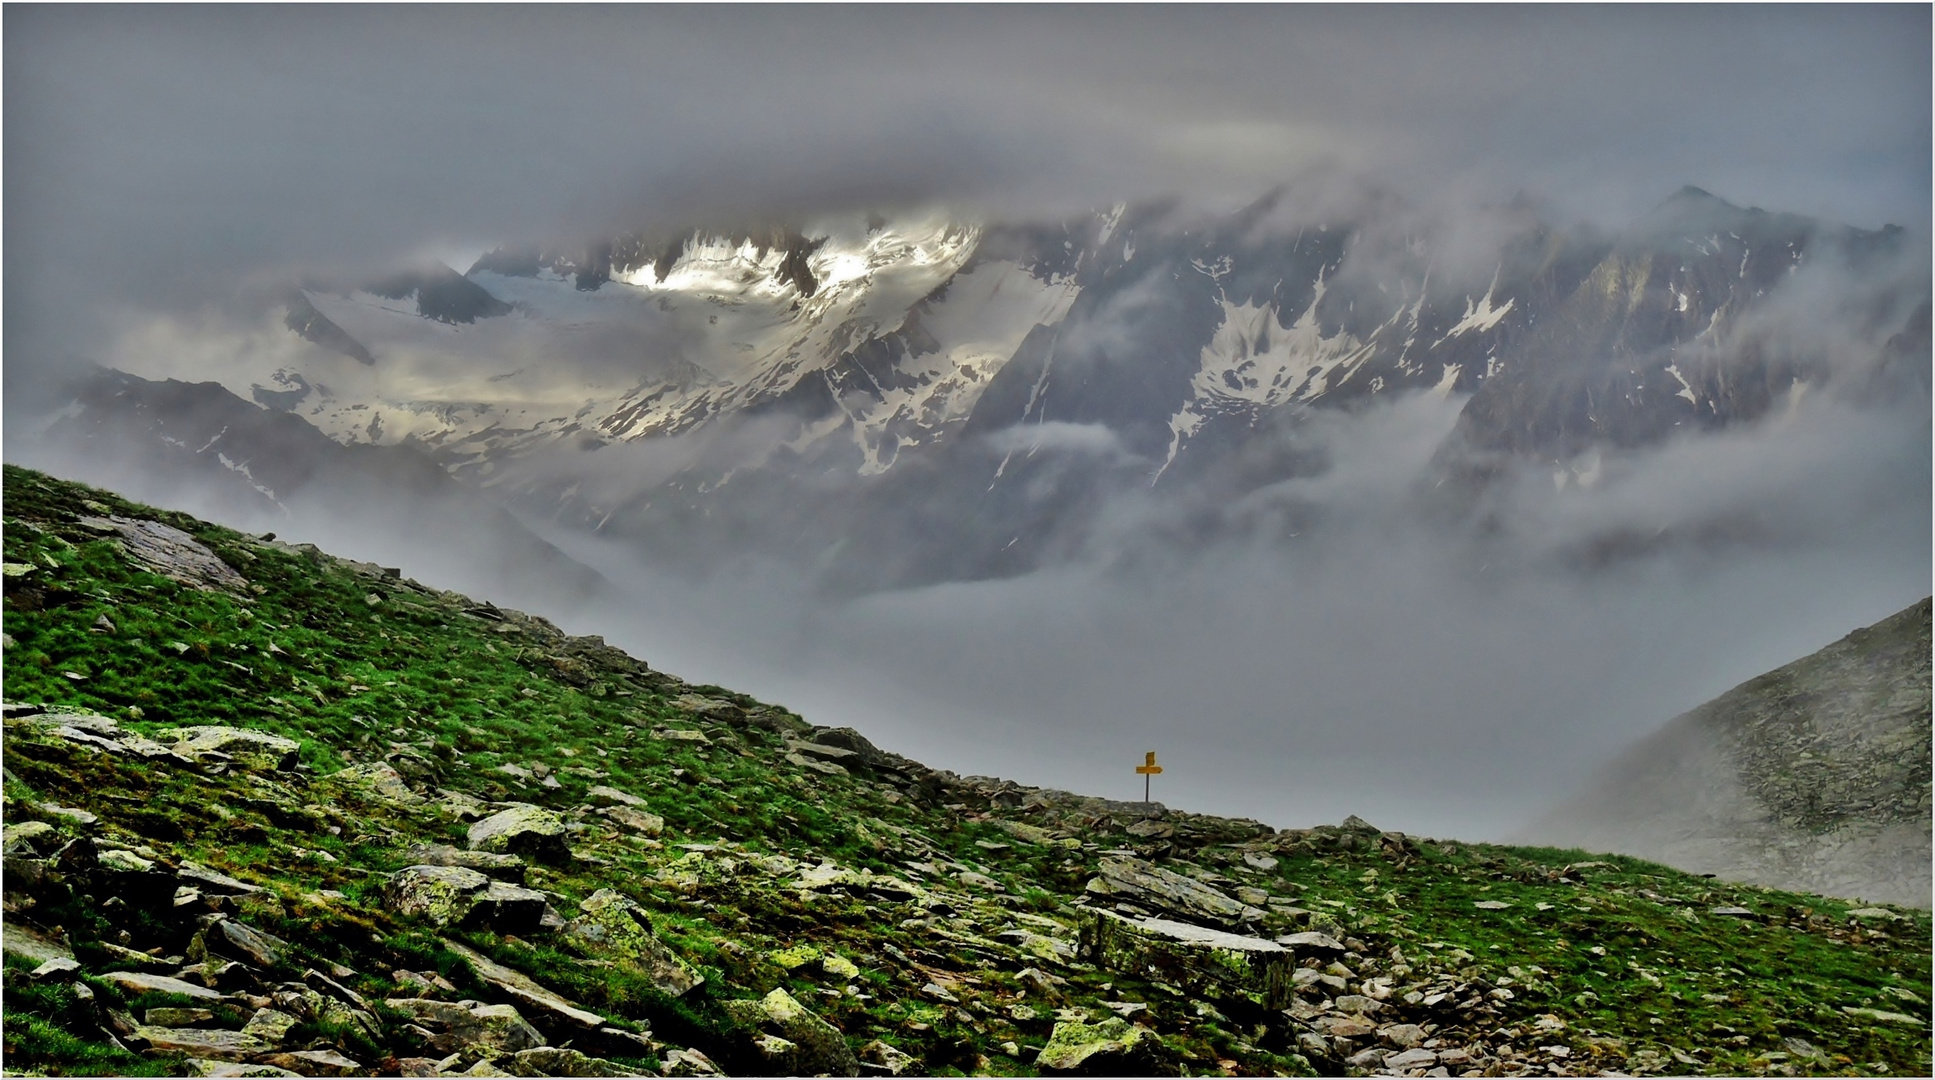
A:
(160, 150)
(163, 157)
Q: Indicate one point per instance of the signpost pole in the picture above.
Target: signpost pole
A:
(1148, 768)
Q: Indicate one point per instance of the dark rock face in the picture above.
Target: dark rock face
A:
(443, 294)
(1813, 776)
(1635, 351)
(312, 325)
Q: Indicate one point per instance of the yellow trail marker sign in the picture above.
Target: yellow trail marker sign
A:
(1148, 768)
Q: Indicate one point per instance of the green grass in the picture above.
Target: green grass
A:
(1627, 954)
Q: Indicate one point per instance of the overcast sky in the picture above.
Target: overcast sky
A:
(159, 158)
(149, 148)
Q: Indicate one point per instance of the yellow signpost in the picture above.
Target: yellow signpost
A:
(1148, 768)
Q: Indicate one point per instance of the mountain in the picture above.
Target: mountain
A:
(269, 470)
(898, 401)
(1814, 776)
(271, 812)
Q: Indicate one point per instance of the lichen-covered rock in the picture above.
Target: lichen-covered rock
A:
(453, 895)
(896, 1062)
(122, 861)
(777, 1056)
(1189, 957)
(1111, 1047)
(202, 1042)
(469, 1024)
(523, 829)
(820, 1048)
(636, 820)
(840, 967)
(259, 948)
(688, 1063)
(253, 750)
(1149, 884)
(553, 1061)
(376, 780)
(502, 867)
(617, 929)
(1039, 946)
(208, 1067)
(310, 1005)
(167, 1017)
(270, 1025)
(443, 895)
(317, 1063)
(30, 943)
(105, 734)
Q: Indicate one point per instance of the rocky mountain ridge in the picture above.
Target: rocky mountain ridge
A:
(995, 382)
(1813, 776)
(271, 812)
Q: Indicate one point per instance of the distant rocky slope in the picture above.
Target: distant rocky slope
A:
(1814, 776)
(254, 467)
(268, 812)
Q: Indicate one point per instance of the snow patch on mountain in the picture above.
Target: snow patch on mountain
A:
(1253, 363)
(1480, 315)
(766, 335)
(977, 328)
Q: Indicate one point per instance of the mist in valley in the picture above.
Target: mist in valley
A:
(1352, 636)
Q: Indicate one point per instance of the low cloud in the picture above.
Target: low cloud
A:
(1431, 675)
(1057, 436)
(1343, 645)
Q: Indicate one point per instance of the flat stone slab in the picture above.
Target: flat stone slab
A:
(140, 982)
(100, 733)
(19, 939)
(1151, 885)
(316, 1063)
(213, 1043)
(210, 1067)
(1883, 1015)
(171, 553)
(259, 948)
(1313, 941)
(500, 1027)
(518, 985)
(502, 867)
(1191, 934)
(1189, 956)
(212, 881)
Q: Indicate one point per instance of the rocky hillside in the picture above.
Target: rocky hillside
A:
(1813, 776)
(268, 812)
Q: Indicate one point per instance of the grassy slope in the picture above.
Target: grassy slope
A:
(1624, 963)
